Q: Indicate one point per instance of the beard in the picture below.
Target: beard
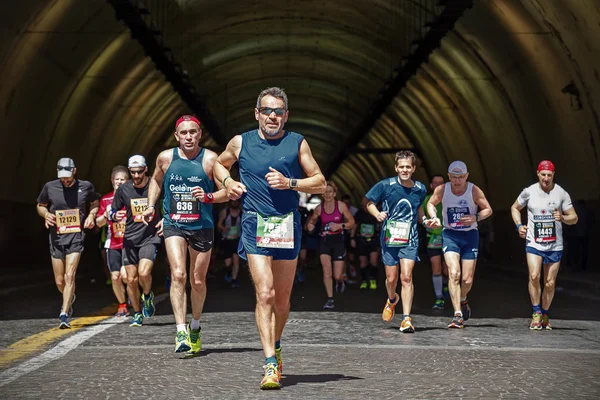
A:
(270, 132)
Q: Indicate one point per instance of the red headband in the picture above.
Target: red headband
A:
(545, 166)
(184, 118)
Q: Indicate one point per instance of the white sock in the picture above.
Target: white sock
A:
(195, 325)
(182, 328)
(437, 285)
(459, 313)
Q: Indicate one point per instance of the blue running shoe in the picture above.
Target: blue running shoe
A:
(64, 321)
(228, 277)
(148, 305)
(466, 310)
(137, 319)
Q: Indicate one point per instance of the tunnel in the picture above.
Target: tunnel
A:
(499, 84)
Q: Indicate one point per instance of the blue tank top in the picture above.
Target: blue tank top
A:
(180, 208)
(256, 156)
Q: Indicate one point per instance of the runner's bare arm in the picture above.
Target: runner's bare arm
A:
(94, 205)
(227, 158)
(485, 210)
(348, 217)
(515, 212)
(310, 223)
(315, 181)
(434, 200)
(570, 216)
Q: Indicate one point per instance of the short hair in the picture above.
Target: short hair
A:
(435, 176)
(333, 185)
(276, 92)
(118, 168)
(406, 154)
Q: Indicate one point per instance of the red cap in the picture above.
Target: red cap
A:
(545, 166)
(187, 118)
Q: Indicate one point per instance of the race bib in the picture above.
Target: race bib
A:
(545, 232)
(67, 221)
(275, 232)
(138, 206)
(454, 216)
(397, 233)
(233, 232)
(184, 207)
(435, 242)
(367, 230)
(118, 229)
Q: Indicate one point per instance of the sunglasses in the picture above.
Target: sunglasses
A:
(59, 168)
(268, 110)
(136, 172)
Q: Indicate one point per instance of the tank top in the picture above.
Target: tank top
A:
(233, 225)
(256, 156)
(336, 216)
(180, 208)
(455, 207)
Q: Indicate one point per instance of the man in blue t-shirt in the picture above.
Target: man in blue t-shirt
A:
(401, 200)
(271, 162)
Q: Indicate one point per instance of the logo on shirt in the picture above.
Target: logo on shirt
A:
(176, 178)
(176, 197)
(194, 179)
(463, 203)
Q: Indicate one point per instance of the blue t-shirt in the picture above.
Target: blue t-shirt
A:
(256, 156)
(401, 203)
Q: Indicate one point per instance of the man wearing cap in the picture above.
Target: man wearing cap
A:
(140, 241)
(62, 203)
(460, 237)
(271, 161)
(185, 174)
(548, 205)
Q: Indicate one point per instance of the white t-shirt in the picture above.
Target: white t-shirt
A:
(543, 232)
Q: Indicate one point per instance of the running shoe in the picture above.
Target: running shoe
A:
(64, 321)
(272, 378)
(373, 284)
(122, 311)
(466, 310)
(536, 322)
(182, 343)
(300, 276)
(388, 310)
(406, 325)
(194, 340)
(457, 322)
(445, 291)
(148, 308)
(545, 323)
(137, 319)
(340, 286)
(228, 277)
(279, 361)
(329, 304)
(439, 304)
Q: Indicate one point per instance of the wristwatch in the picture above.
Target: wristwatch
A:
(293, 183)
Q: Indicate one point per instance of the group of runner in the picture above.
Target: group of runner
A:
(272, 162)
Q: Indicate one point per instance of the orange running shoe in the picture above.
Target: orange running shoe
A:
(388, 310)
(406, 325)
(272, 379)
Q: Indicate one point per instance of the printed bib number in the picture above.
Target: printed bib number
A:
(118, 229)
(397, 233)
(545, 232)
(367, 230)
(435, 242)
(233, 232)
(275, 232)
(454, 216)
(67, 221)
(138, 206)
(184, 207)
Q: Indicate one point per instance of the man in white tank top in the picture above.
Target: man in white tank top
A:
(460, 237)
(548, 205)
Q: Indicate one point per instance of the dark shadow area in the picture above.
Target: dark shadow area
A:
(220, 351)
(291, 380)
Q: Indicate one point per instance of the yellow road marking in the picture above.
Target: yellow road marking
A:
(34, 343)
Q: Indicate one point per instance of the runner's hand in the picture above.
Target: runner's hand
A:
(49, 220)
(276, 180)
(523, 231)
(468, 220)
(159, 226)
(89, 222)
(198, 193)
(557, 215)
(381, 216)
(434, 223)
(235, 189)
(147, 215)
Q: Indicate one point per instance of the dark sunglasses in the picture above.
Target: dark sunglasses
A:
(268, 110)
(59, 168)
(136, 172)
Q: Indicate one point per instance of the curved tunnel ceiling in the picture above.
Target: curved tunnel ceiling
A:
(76, 84)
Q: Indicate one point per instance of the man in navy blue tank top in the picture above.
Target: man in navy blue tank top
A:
(460, 238)
(271, 161)
(185, 173)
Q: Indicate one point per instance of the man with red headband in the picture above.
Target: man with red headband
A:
(548, 205)
(185, 174)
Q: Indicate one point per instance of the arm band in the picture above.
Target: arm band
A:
(223, 181)
(209, 198)
(518, 226)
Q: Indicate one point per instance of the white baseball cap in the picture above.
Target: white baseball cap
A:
(457, 168)
(136, 161)
(65, 167)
